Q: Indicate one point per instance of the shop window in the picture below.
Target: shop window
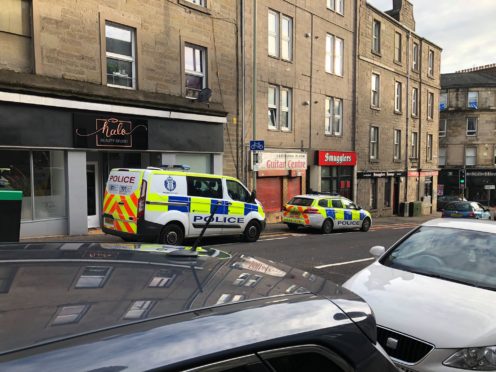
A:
(40, 175)
(337, 180)
(121, 56)
(428, 187)
(201, 163)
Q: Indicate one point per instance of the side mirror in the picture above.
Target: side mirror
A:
(253, 196)
(377, 251)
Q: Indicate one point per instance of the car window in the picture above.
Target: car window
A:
(304, 202)
(237, 192)
(336, 203)
(463, 256)
(323, 203)
(348, 204)
(205, 187)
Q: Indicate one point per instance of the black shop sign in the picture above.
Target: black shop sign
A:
(110, 131)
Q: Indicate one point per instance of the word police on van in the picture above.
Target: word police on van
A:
(167, 206)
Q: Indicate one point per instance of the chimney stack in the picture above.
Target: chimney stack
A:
(403, 12)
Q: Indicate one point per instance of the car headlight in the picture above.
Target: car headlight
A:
(474, 358)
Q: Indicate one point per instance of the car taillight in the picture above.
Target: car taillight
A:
(142, 200)
(311, 211)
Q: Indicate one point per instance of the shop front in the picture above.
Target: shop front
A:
(280, 176)
(60, 152)
(380, 191)
(474, 184)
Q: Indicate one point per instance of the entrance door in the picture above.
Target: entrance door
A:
(396, 195)
(93, 198)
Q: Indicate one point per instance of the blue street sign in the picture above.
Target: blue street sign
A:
(257, 145)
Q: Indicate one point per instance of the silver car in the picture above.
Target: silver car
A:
(434, 296)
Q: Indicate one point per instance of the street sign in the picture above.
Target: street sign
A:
(257, 145)
(489, 187)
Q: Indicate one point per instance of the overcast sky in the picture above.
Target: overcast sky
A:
(464, 29)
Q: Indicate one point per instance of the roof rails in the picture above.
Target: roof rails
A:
(171, 166)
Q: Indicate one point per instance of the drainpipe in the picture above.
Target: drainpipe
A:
(407, 112)
(354, 106)
(420, 118)
(254, 85)
(243, 87)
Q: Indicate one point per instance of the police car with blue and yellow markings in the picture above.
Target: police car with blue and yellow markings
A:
(325, 212)
(167, 206)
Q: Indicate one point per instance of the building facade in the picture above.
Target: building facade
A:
(396, 117)
(467, 140)
(89, 86)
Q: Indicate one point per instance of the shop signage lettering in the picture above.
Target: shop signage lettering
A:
(92, 131)
(281, 161)
(481, 173)
(336, 158)
(380, 174)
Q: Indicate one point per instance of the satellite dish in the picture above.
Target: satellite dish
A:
(204, 95)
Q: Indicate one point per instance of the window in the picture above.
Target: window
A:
(204, 187)
(336, 5)
(397, 96)
(375, 90)
(139, 309)
(471, 126)
(237, 192)
(442, 157)
(430, 70)
(337, 203)
(69, 314)
(334, 55)
(121, 56)
(430, 105)
(162, 279)
(397, 46)
(280, 106)
(374, 143)
(397, 144)
(376, 36)
(280, 24)
(473, 100)
(415, 57)
(414, 144)
(337, 180)
(470, 155)
(198, 2)
(387, 192)
(443, 101)
(195, 68)
(373, 193)
(442, 127)
(333, 116)
(93, 277)
(429, 147)
(415, 102)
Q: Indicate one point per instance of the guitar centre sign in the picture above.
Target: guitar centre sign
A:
(281, 161)
(92, 131)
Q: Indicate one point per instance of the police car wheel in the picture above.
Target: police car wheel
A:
(172, 234)
(365, 225)
(327, 227)
(252, 232)
(292, 226)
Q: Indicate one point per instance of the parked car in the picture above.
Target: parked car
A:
(325, 212)
(434, 296)
(466, 209)
(107, 307)
(442, 201)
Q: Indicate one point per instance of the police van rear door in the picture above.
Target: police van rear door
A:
(120, 203)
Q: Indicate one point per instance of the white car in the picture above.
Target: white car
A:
(434, 296)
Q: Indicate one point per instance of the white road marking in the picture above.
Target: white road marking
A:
(344, 263)
(264, 240)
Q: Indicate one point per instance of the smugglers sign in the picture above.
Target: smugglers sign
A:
(91, 131)
(281, 161)
(336, 158)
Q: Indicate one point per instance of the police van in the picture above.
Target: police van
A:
(167, 206)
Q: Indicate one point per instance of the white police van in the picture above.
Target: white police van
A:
(167, 206)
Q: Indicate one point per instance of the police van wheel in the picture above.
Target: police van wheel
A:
(171, 234)
(365, 225)
(327, 227)
(252, 232)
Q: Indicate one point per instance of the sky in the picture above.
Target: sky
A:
(463, 29)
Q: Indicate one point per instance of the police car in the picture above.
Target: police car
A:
(167, 206)
(325, 212)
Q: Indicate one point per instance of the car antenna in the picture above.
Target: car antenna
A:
(210, 218)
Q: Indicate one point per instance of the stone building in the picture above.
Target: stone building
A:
(467, 134)
(305, 73)
(86, 86)
(396, 117)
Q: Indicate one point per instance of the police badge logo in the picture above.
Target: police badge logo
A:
(170, 184)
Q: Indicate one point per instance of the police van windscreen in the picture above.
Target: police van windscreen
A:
(304, 202)
(123, 182)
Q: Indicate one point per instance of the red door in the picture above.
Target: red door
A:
(269, 192)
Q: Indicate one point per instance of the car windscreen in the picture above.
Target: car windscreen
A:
(304, 202)
(462, 256)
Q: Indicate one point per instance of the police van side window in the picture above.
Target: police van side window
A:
(337, 204)
(237, 192)
(204, 187)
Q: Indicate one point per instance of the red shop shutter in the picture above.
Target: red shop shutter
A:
(269, 192)
(294, 187)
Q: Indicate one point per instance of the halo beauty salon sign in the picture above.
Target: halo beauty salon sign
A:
(92, 131)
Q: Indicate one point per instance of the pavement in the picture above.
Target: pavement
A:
(271, 229)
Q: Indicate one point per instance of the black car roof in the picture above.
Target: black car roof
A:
(55, 291)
